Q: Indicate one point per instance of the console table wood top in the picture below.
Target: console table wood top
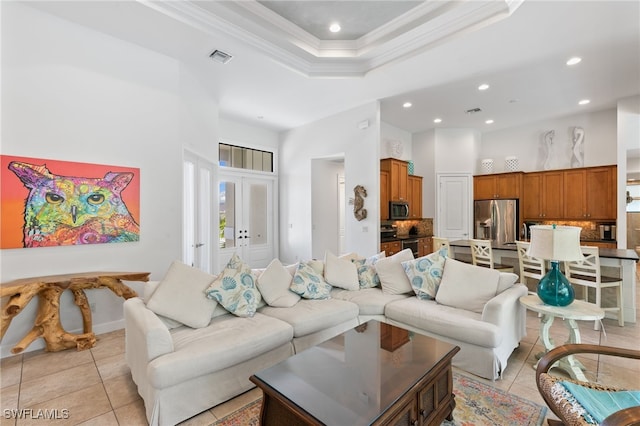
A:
(49, 289)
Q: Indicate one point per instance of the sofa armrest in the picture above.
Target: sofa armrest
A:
(505, 308)
(146, 336)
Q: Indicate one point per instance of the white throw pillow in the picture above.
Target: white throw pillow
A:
(308, 283)
(506, 280)
(392, 277)
(339, 272)
(425, 274)
(180, 296)
(235, 289)
(274, 285)
(467, 286)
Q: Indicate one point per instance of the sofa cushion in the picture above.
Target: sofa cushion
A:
(425, 274)
(367, 274)
(235, 288)
(506, 280)
(370, 301)
(180, 296)
(308, 283)
(227, 341)
(392, 277)
(274, 285)
(453, 323)
(340, 272)
(310, 316)
(467, 286)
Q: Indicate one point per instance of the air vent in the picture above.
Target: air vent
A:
(220, 56)
(473, 110)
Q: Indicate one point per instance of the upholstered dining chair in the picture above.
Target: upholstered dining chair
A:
(482, 255)
(530, 267)
(587, 273)
(570, 399)
(439, 242)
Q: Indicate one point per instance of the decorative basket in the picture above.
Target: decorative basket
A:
(486, 165)
(511, 164)
(410, 167)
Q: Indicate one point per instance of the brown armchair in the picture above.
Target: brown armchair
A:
(560, 406)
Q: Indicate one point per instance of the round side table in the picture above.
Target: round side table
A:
(576, 311)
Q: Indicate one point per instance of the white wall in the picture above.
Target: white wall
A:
(232, 131)
(424, 149)
(71, 93)
(326, 138)
(524, 142)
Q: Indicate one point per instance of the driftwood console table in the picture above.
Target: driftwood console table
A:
(49, 289)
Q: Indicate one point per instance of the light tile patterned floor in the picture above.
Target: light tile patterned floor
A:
(96, 388)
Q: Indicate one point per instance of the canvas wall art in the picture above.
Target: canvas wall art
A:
(57, 203)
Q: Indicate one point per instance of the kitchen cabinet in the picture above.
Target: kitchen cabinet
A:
(497, 186)
(543, 195)
(425, 246)
(384, 195)
(398, 173)
(415, 196)
(590, 193)
(599, 244)
(391, 248)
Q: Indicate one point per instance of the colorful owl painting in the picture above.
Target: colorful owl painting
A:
(66, 210)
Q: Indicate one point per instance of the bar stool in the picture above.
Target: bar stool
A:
(530, 267)
(482, 255)
(439, 242)
(587, 273)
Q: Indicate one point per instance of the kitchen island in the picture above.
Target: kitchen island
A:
(614, 261)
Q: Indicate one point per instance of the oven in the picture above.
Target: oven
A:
(411, 243)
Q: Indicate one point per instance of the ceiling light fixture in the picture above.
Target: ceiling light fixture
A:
(437, 120)
(483, 86)
(573, 61)
(489, 121)
(335, 27)
(407, 105)
(220, 56)
(473, 110)
(584, 102)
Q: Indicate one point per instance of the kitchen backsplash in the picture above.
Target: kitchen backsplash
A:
(424, 227)
(589, 231)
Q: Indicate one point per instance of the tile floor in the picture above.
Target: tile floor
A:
(96, 388)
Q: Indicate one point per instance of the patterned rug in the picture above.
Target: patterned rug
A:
(477, 404)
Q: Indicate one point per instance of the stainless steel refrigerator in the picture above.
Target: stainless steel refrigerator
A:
(496, 220)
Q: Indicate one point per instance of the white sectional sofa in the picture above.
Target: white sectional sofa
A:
(182, 370)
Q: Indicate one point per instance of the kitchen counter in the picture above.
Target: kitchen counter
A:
(622, 261)
(403, 237)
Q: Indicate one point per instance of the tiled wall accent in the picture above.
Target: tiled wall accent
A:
(423, 226)
(589, 231)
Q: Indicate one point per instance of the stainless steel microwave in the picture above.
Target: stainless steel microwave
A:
(398, 210)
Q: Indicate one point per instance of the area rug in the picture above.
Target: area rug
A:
(477, 404)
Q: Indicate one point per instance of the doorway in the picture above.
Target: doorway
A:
(327, 206)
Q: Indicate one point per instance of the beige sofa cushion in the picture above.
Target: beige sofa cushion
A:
(371, 301)
(274, 285)
(391, 273)
(340, 272)
(467, 286)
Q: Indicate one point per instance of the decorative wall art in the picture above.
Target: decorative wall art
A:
(547, 146)
(577, 156)
(359, 211)
(55, 203)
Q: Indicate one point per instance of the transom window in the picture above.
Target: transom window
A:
(245, 158)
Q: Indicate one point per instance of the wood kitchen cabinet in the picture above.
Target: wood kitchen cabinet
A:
(425, 246)
(590, 193)
(415, 196)
(497, 186)
(398, 183)
(384, 195)
(543, 195)
(391, 248)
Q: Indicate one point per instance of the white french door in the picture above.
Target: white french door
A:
(198, 237)
(454, 206)
(247, 218)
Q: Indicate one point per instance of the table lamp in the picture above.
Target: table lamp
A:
(555, 243)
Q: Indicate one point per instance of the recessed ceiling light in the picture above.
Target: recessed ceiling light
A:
(483, 86)
(437, 120)
(407, 105)
(335, 27)
(489, 121)
(584, 102)
(574, 60)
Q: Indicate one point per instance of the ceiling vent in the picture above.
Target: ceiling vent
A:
(473, 110)
(220, 56)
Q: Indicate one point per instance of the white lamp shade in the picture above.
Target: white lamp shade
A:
(552, 242)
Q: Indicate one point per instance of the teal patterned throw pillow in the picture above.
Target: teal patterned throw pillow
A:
(425, 273)
(309, 284)
(367, 275)
(235, 289)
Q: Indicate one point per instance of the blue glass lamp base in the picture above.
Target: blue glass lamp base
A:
(554, 288)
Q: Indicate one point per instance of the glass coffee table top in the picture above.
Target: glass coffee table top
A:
(354, 377)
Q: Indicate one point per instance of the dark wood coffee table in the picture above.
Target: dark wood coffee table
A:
(375, 374)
